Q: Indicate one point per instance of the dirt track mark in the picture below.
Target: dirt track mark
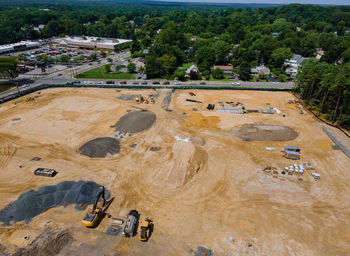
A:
(124, 246)
(6, 154)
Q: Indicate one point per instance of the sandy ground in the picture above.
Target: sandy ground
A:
(200, 189)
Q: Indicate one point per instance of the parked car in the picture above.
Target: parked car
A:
(144, 82)
(135, 82)
(110, 82)
(155, 82)
(236, 83)
(123, 82)
(177, 83)
(76, 82)
(166, 82)
(202, 83)
(193, 83)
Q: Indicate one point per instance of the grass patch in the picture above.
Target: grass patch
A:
(99, 73)
(5, 87)
(226, 79)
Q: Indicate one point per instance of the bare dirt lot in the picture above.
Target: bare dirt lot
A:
(190, 171)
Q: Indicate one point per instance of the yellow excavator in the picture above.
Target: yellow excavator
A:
(98, 212)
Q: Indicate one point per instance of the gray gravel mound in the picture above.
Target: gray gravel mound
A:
(265, 132)
(129, 97)
(135, 121)
(32, 203)
(100, 147)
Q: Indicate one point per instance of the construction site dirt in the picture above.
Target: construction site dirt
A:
(216, 181)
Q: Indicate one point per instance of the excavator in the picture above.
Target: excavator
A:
(98, 212)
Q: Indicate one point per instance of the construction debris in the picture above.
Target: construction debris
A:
(36, 158)
(316, 175)
(292, 152)
(45, 172)
(202, 251)
(155, 148)
(233, 110)
(211, 106)
(114, 230)
(192, 94)
(196, 101)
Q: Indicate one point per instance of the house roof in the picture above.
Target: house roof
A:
(229, 67)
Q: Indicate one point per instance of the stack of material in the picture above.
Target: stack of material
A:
(235, 110)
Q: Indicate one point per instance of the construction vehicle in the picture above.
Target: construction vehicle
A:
(45, 172)
(98, 212)
(145, 230)
(131, 223)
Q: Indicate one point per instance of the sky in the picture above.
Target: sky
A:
(329, 2)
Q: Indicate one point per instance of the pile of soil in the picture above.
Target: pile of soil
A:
(135, 121)
(48, 243)
(264, 132)
(32, 203)
(100, 147)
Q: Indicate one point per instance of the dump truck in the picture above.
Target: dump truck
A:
(292, 152)
(131, 223)
(145, 230)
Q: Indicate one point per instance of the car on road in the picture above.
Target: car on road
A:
(236, 83)
(202, 83)
(135, 82)
(110, 82)
(166, 82)
(155, 82)
(123, 82)
(177, 83)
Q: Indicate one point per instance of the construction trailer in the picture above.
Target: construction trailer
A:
(292, 152)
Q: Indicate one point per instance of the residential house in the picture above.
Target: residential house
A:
(227, 69)
(192, 69)
(293, 64)
(260, 70)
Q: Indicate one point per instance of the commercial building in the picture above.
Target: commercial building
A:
(89, 42)
(17, 47)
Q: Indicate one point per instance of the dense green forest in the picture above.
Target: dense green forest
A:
(174, 35)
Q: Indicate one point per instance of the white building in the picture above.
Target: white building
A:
(293, 64)
(260, 70)
(17, 47)
(89, 42)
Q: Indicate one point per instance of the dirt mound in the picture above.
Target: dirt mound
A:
(48, 243)
(264, 132)
(198, 140)
(100, 147)
(135, 121)
(187, 161)
(32, 203)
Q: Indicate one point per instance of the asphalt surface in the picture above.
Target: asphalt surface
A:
(66, 76)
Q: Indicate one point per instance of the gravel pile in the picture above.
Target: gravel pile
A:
(131, 97)
(32, 203)
(135, 121)
(100, 147)
(264, 132)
